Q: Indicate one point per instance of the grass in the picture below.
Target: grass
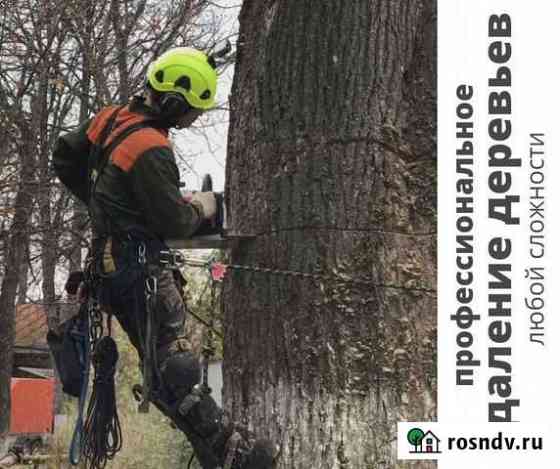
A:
(148, 439)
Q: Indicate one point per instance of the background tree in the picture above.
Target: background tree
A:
(61, 61)
(331, 163)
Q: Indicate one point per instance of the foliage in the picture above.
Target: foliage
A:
(198, 296)
(149, 440)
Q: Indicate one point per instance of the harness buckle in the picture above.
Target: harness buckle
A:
(142, 253)
(151, 287)
(171, 258)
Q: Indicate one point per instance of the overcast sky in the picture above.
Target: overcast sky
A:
(209, 145)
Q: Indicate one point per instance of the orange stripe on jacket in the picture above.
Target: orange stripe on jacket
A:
(130, 149)
(124, 120)
(98, 123)
(133, 146)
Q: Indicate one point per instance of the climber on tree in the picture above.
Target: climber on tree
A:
(121, 164)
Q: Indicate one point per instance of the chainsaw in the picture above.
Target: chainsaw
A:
(211, 234)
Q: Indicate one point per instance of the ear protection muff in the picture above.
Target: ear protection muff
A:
(173, 106)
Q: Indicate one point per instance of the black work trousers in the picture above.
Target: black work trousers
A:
(124, 294)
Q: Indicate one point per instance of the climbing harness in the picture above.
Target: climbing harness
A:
(149, 343)
(144, 406)
(99, 437)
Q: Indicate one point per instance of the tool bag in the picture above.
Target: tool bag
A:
(68, 349)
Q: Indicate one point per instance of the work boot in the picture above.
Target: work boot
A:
(216, 442)
(247, 453)
(232, 445)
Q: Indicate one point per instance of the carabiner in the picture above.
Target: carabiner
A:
(142, 253)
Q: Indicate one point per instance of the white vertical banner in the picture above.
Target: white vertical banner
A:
(498, 161)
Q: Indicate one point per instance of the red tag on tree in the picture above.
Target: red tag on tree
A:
(218, 271)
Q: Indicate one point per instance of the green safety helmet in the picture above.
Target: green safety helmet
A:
(186, 71)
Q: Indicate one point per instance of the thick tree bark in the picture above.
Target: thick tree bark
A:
(331, 164)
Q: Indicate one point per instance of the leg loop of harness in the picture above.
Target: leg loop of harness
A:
(150, 293)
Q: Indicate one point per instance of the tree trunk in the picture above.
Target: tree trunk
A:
(332, 165)
(80, 217)
(121, 40)
(15, 252)
(23, 270)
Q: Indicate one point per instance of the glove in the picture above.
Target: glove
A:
(205, 202)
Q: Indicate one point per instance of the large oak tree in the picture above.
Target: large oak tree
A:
(331, 164)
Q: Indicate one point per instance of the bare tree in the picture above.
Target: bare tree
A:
(59, 63)
(21, 75)
(12, 261)
(331, 164)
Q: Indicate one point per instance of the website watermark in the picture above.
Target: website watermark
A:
(433, 440)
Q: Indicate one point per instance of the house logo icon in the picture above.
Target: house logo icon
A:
(423, 442)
